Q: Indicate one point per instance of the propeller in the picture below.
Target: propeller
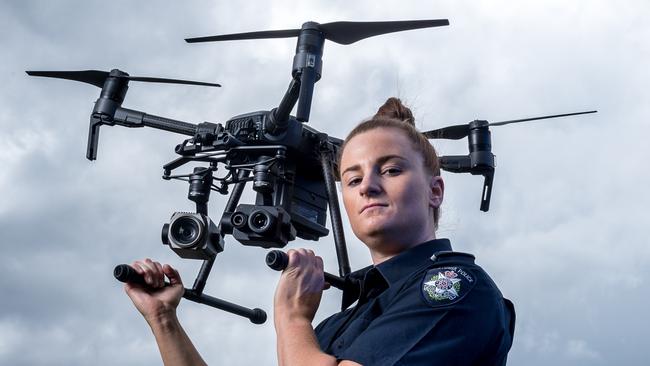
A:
(339, 32)
(98, 78)
(457, 132)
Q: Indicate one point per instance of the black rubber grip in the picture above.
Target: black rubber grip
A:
(125, 273)
(277, 260)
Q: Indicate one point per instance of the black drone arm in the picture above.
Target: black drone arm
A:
(279, 117)
(456, 163)
(132, 118)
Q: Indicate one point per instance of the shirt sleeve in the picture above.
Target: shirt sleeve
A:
(412, 331)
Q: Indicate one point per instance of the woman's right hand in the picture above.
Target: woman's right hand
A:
(155, 300)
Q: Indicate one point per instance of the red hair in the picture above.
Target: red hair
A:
(394, 114)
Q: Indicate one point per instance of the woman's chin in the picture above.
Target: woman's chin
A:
(375, 225)
(379, 232)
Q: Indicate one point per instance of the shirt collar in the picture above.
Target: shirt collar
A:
(403, 264)
(372, 280)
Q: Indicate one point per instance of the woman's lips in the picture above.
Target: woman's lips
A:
(371, 205)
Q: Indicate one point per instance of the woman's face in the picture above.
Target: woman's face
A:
(388, 195)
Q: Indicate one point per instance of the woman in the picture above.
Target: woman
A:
(419, 302)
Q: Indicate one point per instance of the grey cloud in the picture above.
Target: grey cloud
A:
(564, 237)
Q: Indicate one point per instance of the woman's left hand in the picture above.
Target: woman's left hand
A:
(300, 288)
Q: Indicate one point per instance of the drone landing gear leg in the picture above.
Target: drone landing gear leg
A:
(256, 316)
(487, 191)
(126, 273)
(335, 215)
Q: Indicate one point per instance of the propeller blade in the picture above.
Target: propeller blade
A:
(459, 131)
(339, 32)
(536, 118)
(97, 78)
(93, 77)
(171, 81)
(350, 32)
(456, 132)
(286, 33)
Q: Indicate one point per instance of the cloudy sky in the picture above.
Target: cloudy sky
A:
(565, 237)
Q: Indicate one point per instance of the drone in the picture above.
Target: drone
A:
(274, 150)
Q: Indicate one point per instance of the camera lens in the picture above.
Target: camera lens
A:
(260, 221)
(185, 231)
(238, 220)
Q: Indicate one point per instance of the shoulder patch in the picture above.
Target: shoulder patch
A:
(446, 285)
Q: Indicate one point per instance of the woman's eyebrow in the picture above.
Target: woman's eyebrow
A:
(381, 160)
(355, 167)
(386, 158)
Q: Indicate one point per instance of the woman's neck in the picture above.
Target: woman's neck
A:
(382, 250)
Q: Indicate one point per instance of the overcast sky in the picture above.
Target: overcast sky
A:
(564, 239)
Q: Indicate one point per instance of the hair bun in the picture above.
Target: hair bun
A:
(394, 109)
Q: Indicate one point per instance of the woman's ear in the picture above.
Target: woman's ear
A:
(437, 191)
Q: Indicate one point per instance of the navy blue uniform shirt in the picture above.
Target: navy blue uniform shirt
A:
(425, 306)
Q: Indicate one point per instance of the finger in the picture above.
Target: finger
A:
(326, 286)
(136, 265)
(146, 267)
(312, 259)
(141, 269)
(155, 269)
(173, 275)
(319, 272)
(159, 275)
(294, 258)
(147, 273)
(169, 272)
(306, 257)
(305, 252)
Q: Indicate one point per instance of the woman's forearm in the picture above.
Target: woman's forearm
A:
(297, 344)
(175, 346)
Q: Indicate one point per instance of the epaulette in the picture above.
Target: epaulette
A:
(446, 257)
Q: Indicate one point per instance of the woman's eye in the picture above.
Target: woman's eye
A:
(354, 181)
(391, 171)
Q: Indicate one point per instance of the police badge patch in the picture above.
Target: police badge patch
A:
(447, 285)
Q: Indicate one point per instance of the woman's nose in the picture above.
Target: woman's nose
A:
(370, 185)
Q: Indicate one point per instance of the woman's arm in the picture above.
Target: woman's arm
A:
(157, 303)
(175, 346)
(297, 298)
